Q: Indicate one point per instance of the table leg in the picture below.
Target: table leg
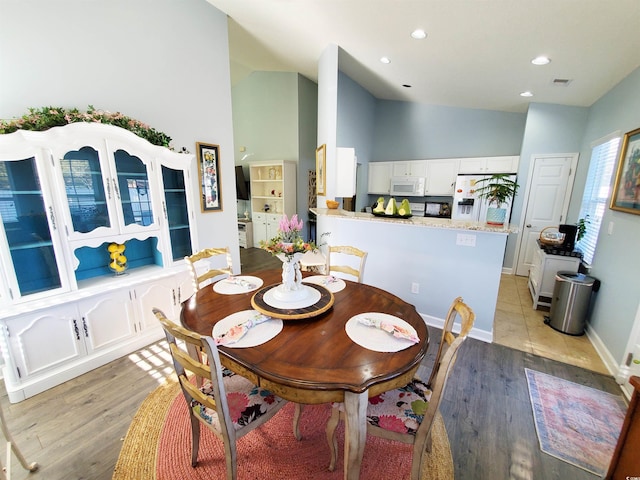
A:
(355, 434)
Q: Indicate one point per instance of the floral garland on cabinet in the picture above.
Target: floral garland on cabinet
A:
(47, 117)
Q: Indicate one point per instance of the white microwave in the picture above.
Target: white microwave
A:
(407, 186)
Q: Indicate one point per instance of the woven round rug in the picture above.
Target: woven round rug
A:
(158, 446)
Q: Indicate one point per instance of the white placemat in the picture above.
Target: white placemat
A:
(257, 335)
(236, 285)
(331, 283)
(312, 296)
(375, 339)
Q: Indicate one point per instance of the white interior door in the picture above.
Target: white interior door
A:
(547, 201)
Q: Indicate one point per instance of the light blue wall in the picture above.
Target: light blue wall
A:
(406, 131)
(275, 118)
(165, 63)
(356, 120)
(616, 262)
(265, 116)
(307, 134)
(549, 129)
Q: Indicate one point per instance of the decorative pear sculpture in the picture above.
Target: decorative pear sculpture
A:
(392, 208)
(405, 208)
(379, 208)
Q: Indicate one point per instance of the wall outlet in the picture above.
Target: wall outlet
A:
(466, 240)
(415, 287)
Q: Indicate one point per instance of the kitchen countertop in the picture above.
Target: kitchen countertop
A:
(419, 221)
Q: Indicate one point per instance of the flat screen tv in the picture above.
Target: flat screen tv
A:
(242, 186)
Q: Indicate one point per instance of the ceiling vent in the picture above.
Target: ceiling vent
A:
(561, 82)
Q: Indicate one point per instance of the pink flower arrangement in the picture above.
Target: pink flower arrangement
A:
(288, 240)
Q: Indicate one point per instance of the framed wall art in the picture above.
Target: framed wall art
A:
(626, 190)
(209, 171)
(321, 166)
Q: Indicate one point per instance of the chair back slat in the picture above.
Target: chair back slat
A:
(354, 270)
(200, 280)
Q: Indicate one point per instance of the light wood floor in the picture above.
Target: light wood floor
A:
(518, 325)
(75, 430)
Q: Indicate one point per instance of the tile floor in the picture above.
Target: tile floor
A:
(518, 325)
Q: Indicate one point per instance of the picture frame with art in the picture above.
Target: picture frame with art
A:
(626, 190)
(321, 167)
(209, 174)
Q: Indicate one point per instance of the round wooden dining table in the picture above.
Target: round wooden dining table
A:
(313, 360)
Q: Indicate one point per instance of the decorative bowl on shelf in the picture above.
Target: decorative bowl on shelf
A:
(332, 204)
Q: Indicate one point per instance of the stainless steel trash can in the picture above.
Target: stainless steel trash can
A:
(571, 302)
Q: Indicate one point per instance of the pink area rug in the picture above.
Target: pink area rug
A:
(271, 451)
(577, 424)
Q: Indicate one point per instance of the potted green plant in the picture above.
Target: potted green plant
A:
(497, 189)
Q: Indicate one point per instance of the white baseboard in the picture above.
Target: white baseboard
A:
(476, 333)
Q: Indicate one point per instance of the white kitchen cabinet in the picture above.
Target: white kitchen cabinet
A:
(542, 275)
(40, 341)
(380, 177)
(106, 320)
(265, 226)
(163, 294)
(273, 188)
(410, 168)
(489, 165)
(441, 176)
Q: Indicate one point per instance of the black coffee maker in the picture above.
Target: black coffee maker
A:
(570, 232)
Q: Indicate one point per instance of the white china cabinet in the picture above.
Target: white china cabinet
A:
(65, 195)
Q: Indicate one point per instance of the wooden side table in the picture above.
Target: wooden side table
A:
(625, 462)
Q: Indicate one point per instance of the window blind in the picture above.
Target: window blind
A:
(597, 192)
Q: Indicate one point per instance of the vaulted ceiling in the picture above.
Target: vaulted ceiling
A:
(477, 53)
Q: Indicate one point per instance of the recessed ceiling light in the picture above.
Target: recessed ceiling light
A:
(385, 60)
(526, 94)
(541, 60)
(418, 34)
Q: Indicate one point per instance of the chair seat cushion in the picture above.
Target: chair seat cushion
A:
(246, 401)
(400, 410)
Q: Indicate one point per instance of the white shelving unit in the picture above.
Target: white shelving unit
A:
(273, 194)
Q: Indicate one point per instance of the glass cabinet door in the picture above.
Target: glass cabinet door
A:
(132, 190)
(106, 194)
(85, 188)
(176, 212)
(26, 225)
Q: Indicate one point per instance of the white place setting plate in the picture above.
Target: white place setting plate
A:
(376, 339)
(331, 283)
(257, 335)
(237, 284)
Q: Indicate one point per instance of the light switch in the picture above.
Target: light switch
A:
(610, 228)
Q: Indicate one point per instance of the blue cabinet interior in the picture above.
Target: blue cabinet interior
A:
(177, 212)
(26, 226)
(94, 261)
